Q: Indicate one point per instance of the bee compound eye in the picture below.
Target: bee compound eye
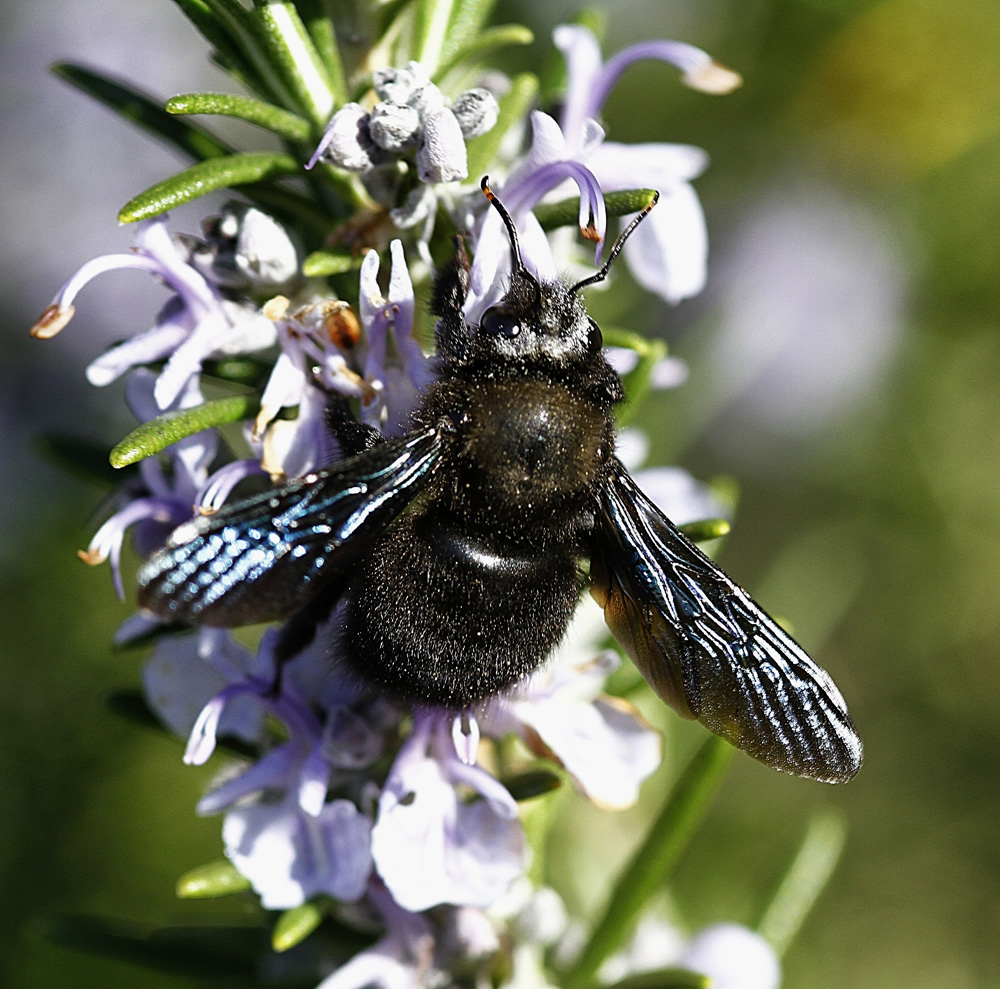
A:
(595, 338)
(500, 322)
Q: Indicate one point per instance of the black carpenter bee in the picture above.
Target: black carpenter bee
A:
(454, 552)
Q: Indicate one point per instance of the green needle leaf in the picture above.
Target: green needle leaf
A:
(567, 213)
(323, 33)
(320, 264)
(480, 44)
(706, 529)
(157, 434)
(805, 879)
(655, 859)
(207, 176)
(293, 58)
(227, 49)
(431, 22)
(533, 783)
(142, 110)
(283, 123)
(665, 978)
(637, 381)
(467, 20)
(220, 878)
(295, 925)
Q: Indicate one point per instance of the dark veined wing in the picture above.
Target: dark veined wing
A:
(708, 649)
(262, 558)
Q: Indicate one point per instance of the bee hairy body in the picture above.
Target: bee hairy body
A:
(498, 538)
(453, 554)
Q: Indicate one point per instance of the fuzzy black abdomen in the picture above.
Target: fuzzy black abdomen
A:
(443, 618)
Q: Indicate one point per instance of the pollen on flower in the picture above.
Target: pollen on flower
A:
(712, 77)
(52, 321)
(275, 309)
(92, 557)
(342, 325)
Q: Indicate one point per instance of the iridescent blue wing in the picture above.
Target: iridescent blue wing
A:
(708, 649)
(264, 557)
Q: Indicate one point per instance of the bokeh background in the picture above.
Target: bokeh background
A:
(844, 372)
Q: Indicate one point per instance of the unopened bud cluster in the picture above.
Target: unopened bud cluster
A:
(411, 118)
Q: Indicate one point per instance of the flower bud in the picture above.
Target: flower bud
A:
(245, 250)
(347, 142)
(392, 126)
(476, 111)
(441, 156)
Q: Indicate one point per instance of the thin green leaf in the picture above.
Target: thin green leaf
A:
(706, 529)
(486, 41)
(320, 264)
(212, 880)
(467, 20)
(654, 861)
(288, 125)
(514, 106)
(246, 371)
(567, 212)
(295, 925)
(431, 21)
(226, 48)
(636, 382)
(805, 879)
(203, 953)
(323, 33)
(533, 783)
(157, 434)
(293, 58)
(664, 978)
(143, 110)
(204, 177)
(262, 78)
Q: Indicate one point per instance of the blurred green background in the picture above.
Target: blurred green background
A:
(844, 371)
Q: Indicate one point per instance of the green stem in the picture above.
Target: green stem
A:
(655, 859)
(805, 879)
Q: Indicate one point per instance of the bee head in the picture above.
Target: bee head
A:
(544, 319)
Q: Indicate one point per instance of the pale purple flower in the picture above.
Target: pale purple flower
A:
(244, 250)
(280, 830)
(429, 845)
(602, 742)
(402, 959)
(667, 252)
(185, 672)
(290, 856)
(549, 163)
(733, 957)
(309, 366)
(396, 377)
(195, 323)
(161, 499)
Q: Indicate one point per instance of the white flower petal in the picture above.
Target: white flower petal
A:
(733, 957)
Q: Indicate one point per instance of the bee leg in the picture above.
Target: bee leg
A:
(299, 631)
(352, 437)
(451, 286)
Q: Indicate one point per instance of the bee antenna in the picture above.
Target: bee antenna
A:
(599, 276)
(515, 249)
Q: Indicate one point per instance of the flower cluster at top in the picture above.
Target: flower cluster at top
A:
(380, 811)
